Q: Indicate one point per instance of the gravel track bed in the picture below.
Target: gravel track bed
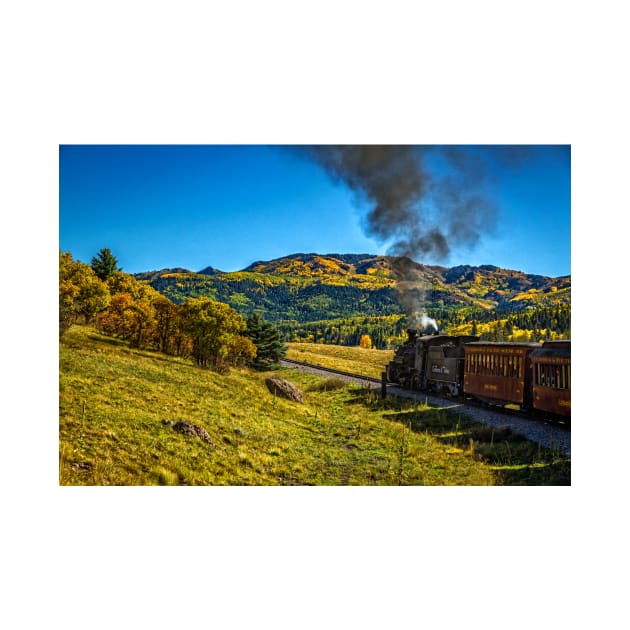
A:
(547, 435)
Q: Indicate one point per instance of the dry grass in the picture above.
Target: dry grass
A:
(349, 359)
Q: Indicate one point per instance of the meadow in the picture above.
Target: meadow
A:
(113, 401)
(365, 361)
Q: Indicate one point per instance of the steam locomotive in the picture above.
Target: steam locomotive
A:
(534, 376)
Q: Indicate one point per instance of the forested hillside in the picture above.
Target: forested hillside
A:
(338, 298)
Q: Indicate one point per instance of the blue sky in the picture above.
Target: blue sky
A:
(229, 205)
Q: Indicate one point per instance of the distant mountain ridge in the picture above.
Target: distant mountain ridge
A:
(310, 286)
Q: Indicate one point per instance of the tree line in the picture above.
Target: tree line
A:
(384, 331)
(214, 334)
(388, 331)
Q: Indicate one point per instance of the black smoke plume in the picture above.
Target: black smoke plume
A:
(423, 200)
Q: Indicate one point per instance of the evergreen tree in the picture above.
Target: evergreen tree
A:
(268, 342)
(105, 264)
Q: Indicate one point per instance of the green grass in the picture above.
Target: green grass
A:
(113, 400)
(369, 362)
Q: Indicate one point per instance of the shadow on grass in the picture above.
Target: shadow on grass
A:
(112, 341)
(515, 460)
(556, 473)
(125, 347)
(419, 417)
(435, 422)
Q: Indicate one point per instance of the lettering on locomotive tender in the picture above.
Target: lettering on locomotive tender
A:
(489, 386)
(440, 369)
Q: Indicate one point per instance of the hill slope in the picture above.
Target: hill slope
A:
(312, 287)
(113, 400)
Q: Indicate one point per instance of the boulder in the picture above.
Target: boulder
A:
(285, 389)
(188, 428)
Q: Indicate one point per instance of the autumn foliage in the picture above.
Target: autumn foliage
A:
(211, 332)
(81, 293)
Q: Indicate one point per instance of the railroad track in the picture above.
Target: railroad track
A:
(552, 435)
(357, 377)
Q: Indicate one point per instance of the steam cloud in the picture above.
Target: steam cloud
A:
(425, 200)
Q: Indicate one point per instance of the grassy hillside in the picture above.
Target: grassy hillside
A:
(113, 400)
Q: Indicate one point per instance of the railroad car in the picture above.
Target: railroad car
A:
(551, 387)
(534, 376)
(499, 373)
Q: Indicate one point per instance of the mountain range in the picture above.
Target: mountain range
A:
(313, 287)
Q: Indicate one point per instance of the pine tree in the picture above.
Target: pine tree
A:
(269, 345)
(105, 264)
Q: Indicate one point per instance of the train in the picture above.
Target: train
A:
(535, 377)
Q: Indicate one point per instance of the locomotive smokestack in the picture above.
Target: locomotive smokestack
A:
(412, 333)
